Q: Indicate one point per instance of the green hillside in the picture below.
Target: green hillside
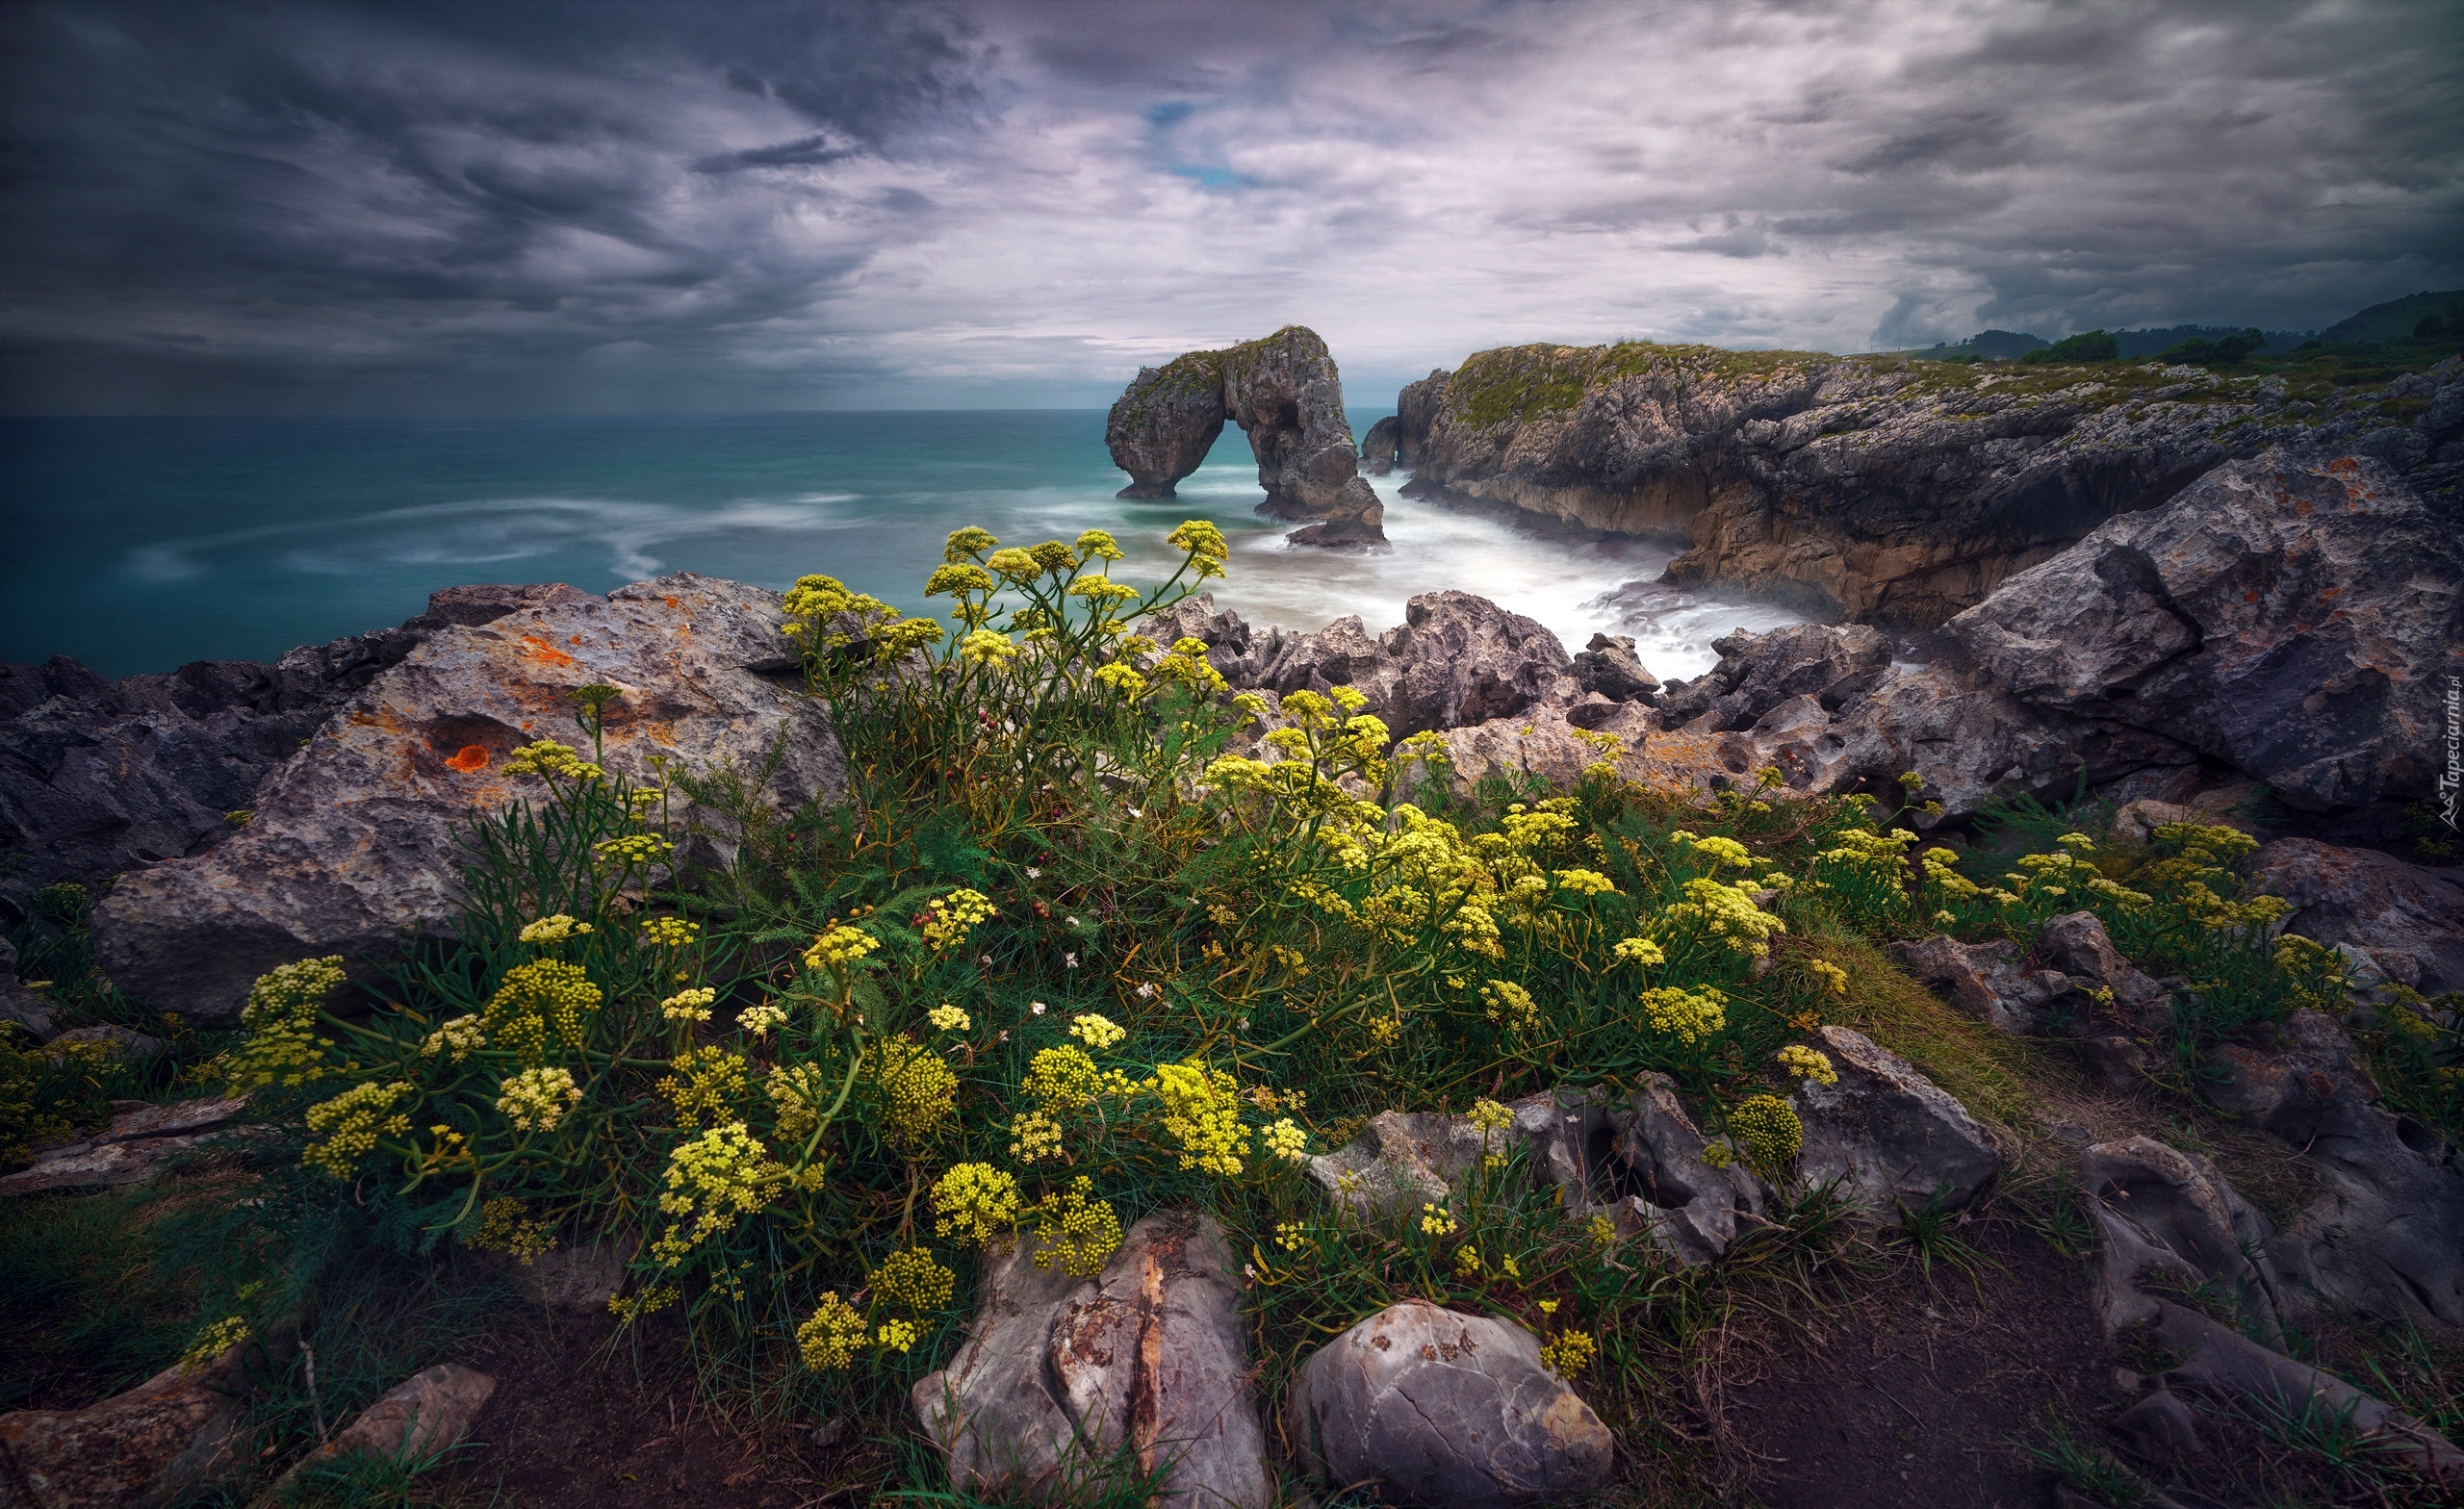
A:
(2401, 318)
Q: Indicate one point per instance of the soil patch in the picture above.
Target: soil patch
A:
(1916, 1393)
(576, 1424)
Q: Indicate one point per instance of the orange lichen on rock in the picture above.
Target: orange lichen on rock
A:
(469, 759)
(544, 653)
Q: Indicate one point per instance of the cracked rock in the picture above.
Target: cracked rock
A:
(1888, 1135)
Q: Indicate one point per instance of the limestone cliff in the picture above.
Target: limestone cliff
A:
(1286, 396)
(1875, 489)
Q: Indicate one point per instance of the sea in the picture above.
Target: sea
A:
(139, 544)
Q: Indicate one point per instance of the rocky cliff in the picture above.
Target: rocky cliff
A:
(1877, 489)
(1286, 396)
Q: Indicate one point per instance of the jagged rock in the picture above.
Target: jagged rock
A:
(158, 1443)
(2170, 1216)
(100, 777)
(1541, 742)
(2138, 820)
(2387, 1238)
(2274, 616)
(1991, 981)
(1609, 666)
(1682, 1205)
(1059, 1376)
(353, 847)
(424, 1415)
(139, 1139)
(1377, 448)
(1444, 1409)
(2078, 944)
(1402, 1161)
(1870, 488)
(1285, 395)
(2411, 921)
(1759, 672)
(1888, 1135)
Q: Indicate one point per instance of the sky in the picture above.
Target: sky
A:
(612, 205)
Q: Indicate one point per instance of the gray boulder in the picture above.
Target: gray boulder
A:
(1989, 981)
(426, 1414)
(1403, 1160)
(1887, 1135)
(352, 849)
(136, 1142)
(1444, 1409)
(1377, 448)
(2410, 920)
(1060, 1376)
(98, 776)
(1670, 1196)
(2170, 1216)
(1284, 393)
(2078, 944)
(1609, 666)
(1759, 672)
(2274, 616)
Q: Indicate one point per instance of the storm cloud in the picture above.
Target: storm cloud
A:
(602, 204)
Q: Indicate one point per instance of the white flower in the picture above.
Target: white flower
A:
(986, 960)
(1070, 960)
(1037, 1007)
(1034, 874)
(1146, 993)
(1135, 812)
(1072, 921)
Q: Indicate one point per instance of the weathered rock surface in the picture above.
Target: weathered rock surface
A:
(1377, 448)
(1609, 666)
(1759, 672)
(2387, 1238)
(1886, 1134)
(1285, 395)
(1991, 981)
(578, 1279)
(426, 1414)
(1678, 1203)
(2078, 944)
(2410, 921)
(98, 776)
(155, 1443)
(2170, 1216)
(136, 1143)
(1444, 1409)
(1059, 1376)
(2280, 615)
(1402, 1161)
(1873, 488)
(352, 848)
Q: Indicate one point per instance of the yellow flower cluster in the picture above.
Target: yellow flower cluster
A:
(1096, 1032)
(1569, 1353)
(554, 927)
(895, 1336)
(351, 1122)
(839, 945)
(974, 1202)
(537, 1099)
(459, 1037)
(949, 919)
(282, 1046)
(670, 931)
(1437, 1221)
(1807, 1064)
(1718, 849)
(759, 1019)
(948, 1018)
(1202, 1112)
(712, 1182)
(1064, 1080)
(632, 848)
(213, 1341)
(1584, 882)
(919, 1091)
(1769, 1129)
(1727, 913)
(1187, 664)
(535, 999)
(1285, 1140)
(1489, 1117)
(705, 1086)
(1834, 978)
(913, 1278)
(1123, 679)
(552, 760)
(1204, 545)
(505, 1225)
(1034, 1136)
(689, 1006)
(828, 1339)
(1690, 1017)
(825, 616)
(1510, 1004)
(1638, 950)
(1075, 1231)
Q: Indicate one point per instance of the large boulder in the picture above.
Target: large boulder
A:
(2168, 1216)
(2410, 921)
(425, 1416)
(1284, 393)
(98, 776)
(1668, 1193)
(1888, 1137)
(1378, 449)
(1759, 672)
(2279, 615)
(1148, 1362)
(353, 847)
(1991, 981)
(1444, 1409)
(158, 1443)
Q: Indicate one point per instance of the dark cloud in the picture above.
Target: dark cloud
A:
(613, 203)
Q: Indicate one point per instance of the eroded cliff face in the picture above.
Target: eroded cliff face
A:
(1286, 396)
(1873, 489)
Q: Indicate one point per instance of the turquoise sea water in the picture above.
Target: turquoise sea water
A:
(139, 544)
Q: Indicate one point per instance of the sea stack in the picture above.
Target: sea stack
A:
(1285, 395)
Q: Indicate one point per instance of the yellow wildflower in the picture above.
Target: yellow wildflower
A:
(974, 1202)
(538, 1098)
(830, 1338)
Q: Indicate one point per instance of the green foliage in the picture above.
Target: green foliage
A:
(2087, 345)
(2199, 351)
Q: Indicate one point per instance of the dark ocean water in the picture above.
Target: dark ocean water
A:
(139, 544)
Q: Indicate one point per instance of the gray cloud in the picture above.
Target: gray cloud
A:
(600, 204)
